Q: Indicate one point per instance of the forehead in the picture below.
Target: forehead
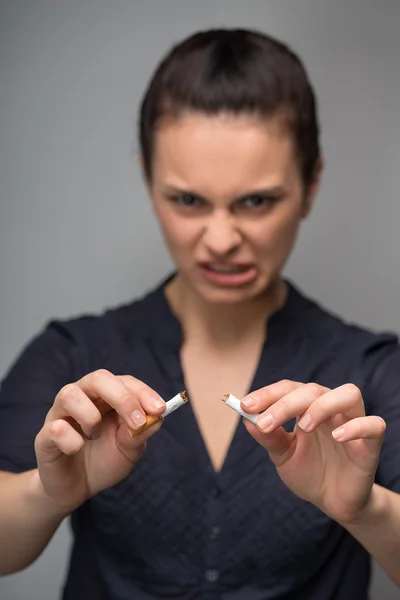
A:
(224, 152)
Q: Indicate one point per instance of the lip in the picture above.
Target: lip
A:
(242, 278)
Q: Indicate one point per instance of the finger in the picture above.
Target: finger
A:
(289, 406)
(133, 447)
(148, 398)
(346, 400)
(367, 428)
(71, 401)
(57, 438)
(117, 395)
(150, 420)
(263, 398)
(279, 444)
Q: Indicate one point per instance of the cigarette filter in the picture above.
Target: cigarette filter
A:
(234, 403)
(173, 404)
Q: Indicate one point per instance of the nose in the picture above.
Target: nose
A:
(221, 235)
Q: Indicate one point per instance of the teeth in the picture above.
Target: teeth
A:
(226, 269)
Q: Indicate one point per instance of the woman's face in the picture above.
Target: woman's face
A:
(228, 194)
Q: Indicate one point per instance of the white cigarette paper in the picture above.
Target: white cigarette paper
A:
(234, 403)
(175, 402)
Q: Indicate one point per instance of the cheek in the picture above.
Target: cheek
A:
(180, 235)
(277, 235)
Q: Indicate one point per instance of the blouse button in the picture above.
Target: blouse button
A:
(214, 492)
(214, 533)
(211, 575)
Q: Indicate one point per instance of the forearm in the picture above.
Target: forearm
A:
(378, 530)
(28, 520)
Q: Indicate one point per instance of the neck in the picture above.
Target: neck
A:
(223, 324)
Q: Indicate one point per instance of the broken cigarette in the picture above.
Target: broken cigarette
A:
(234, 403)
(175, 402)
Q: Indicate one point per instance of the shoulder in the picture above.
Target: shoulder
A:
(86, 342)
(113, 322)
(347, 336)
(364, 353)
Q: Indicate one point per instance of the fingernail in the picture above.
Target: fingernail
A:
(249, 402)
(156, 403)
(138, 419)
(305, 422)
(265, 421)
(338, 434)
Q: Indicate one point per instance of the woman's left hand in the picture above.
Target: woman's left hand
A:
(332, 454)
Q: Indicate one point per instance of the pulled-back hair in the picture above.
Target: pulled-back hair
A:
(236, 71)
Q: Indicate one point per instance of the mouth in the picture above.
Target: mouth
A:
(228, 274)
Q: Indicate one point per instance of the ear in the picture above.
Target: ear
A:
(309, 197)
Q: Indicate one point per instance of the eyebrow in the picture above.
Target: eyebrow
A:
(275, 191)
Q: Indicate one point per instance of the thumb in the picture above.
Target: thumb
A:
(279, 444)
(133, 447)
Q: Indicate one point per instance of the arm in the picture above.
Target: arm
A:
(28, 520)
(330, 459)
(74, 465)
(378, 526)
(378, 530)
(61, 443)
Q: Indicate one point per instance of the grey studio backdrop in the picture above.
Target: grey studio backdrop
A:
(77, 232)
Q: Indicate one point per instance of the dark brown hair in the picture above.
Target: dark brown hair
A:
(237, 71)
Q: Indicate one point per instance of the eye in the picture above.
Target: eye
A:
(186, 200)
(255, 201)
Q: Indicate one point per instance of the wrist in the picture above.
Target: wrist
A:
(373, 512)
(38, 497)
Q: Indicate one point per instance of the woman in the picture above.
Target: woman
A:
(231, 157)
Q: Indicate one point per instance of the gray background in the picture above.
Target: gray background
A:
(76, 229)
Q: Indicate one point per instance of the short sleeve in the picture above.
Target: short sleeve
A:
(28, 391)
(382, 397)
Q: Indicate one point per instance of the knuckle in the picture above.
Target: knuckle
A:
(282, 407)
(357, 429)
(286, 383)
(125, 399)
(67, 392)
(313, 388)
(144, 391)
(352, 391)
(100, 373)
(56, 428)
(126, 378)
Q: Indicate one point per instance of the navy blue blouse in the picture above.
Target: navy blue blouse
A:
(174, 528)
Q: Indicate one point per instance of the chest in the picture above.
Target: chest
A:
(208, 376)
(170, 517)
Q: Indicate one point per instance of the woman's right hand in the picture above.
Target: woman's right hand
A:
(84, 445)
